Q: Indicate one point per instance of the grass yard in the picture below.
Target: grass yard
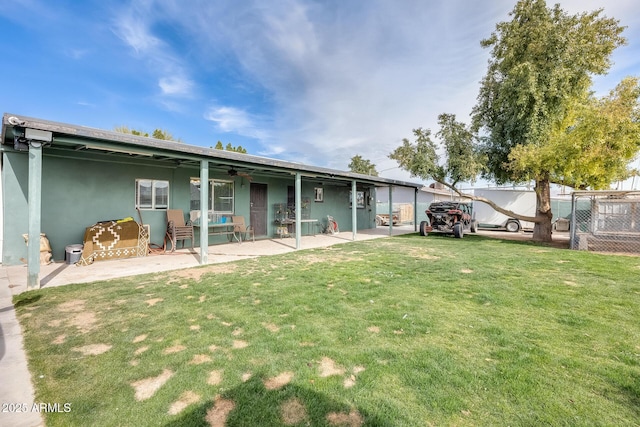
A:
(402, 331)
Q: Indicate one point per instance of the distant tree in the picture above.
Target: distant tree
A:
(157, 134)
(125, 129)
(163, 134)
(363, 166)
(229, 147)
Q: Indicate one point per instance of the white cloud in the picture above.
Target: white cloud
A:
(175, 85)
(134, 26)
(235, 120)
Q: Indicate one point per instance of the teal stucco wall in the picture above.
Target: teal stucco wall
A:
(79, 191)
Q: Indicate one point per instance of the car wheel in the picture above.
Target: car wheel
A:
(457, 230)
(423, 228)
(512, 226)
(474, 225)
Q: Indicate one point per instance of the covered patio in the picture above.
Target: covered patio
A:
(59, 273)
(62, 179)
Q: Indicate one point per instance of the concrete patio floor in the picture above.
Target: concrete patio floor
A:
(60, 273)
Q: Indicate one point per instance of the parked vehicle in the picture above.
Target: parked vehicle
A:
(449, 217)
(518, 201)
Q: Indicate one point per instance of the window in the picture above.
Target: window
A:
(220, 196)
(152, 194)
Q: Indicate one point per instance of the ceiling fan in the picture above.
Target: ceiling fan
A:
(233, 173)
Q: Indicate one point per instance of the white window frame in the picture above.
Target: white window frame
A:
(154, 201)
(212, 196)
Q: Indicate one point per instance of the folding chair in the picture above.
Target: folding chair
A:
(177, 229)
(240, 227)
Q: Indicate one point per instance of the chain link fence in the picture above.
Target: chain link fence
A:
(605, 221)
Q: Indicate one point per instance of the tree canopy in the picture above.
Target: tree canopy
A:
(541, 66)
(454, 160)
(594, 144)
(360, 165)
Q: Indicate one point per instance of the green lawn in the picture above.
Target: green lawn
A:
(402, 331)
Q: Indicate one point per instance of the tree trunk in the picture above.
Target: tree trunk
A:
(542, 229)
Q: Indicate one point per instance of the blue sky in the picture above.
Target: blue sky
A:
(309, 81)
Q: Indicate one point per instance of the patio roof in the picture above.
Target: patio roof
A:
(67, 139)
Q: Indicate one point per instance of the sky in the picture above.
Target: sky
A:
(315, 82)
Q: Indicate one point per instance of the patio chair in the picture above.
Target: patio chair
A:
(177, 229)
(240, 227)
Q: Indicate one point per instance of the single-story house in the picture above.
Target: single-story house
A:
(59, 179)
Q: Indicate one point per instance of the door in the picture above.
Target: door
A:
(258, 213)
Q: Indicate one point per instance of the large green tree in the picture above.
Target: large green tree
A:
(361, 165)
(539, 75)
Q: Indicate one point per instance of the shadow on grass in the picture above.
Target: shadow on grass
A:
(25, 299)
(254, 405)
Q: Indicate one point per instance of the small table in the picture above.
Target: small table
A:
(310, 225)
(222, 228)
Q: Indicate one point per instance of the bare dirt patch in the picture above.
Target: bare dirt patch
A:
(328, 368)
(217, 416)
(84, 321)
(352, 419)
(174, 349)
(194, 327)
(246, 376)
(466, 271)
(374, 329)
(196, 273)
(271, 327)
(215, 377)
(199, 359)
(278, 381)
(187, 398)
(139, 338)
(237, 332)
(350, 381)
(238, 344)
(71, 306)
(60, 339)
(147, 387)
(154, 301)
(92, 349)
(293, 412)
(141, 350)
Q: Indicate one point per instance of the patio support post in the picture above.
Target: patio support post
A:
(390, 210)
(354, 210)
(415, 209)
(298, 210)
(204, 212)
(35, 212)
